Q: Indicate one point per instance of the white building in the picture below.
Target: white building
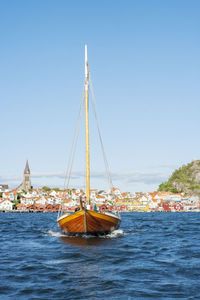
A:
(27, 201)
(6, 204)
(4, 188)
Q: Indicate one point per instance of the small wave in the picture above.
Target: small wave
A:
(57, 261)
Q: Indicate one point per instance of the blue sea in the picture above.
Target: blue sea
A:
(151, 256)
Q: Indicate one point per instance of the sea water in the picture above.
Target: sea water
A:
(151, 256)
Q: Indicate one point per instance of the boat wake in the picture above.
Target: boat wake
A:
(55, 234)
(114, 234)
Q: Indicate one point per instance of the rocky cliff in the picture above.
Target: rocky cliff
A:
(184, 180)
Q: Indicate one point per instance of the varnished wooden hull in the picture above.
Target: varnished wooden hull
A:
(88, 222)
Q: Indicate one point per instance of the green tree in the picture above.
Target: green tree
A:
(46, 188)
(15, 203)
(19, 196)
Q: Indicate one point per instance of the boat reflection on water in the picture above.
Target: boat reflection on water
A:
(84, 241)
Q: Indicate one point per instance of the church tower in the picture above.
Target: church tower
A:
(26, 184)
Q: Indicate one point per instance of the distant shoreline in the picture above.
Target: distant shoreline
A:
(121, 212)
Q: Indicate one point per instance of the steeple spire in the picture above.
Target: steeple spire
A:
(27, 170)
(26, 183)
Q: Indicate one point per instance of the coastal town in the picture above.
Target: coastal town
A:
(40, 200)
(28, 199)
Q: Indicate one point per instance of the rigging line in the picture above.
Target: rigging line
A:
(71, 160)
(72, 154)
(99, 132)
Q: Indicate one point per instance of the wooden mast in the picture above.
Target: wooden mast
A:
(87, 130)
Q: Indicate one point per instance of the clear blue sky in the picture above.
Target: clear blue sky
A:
(144, 58)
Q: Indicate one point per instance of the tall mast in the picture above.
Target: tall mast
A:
(87, 129)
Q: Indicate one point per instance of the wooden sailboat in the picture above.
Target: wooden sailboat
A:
(88, 220)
